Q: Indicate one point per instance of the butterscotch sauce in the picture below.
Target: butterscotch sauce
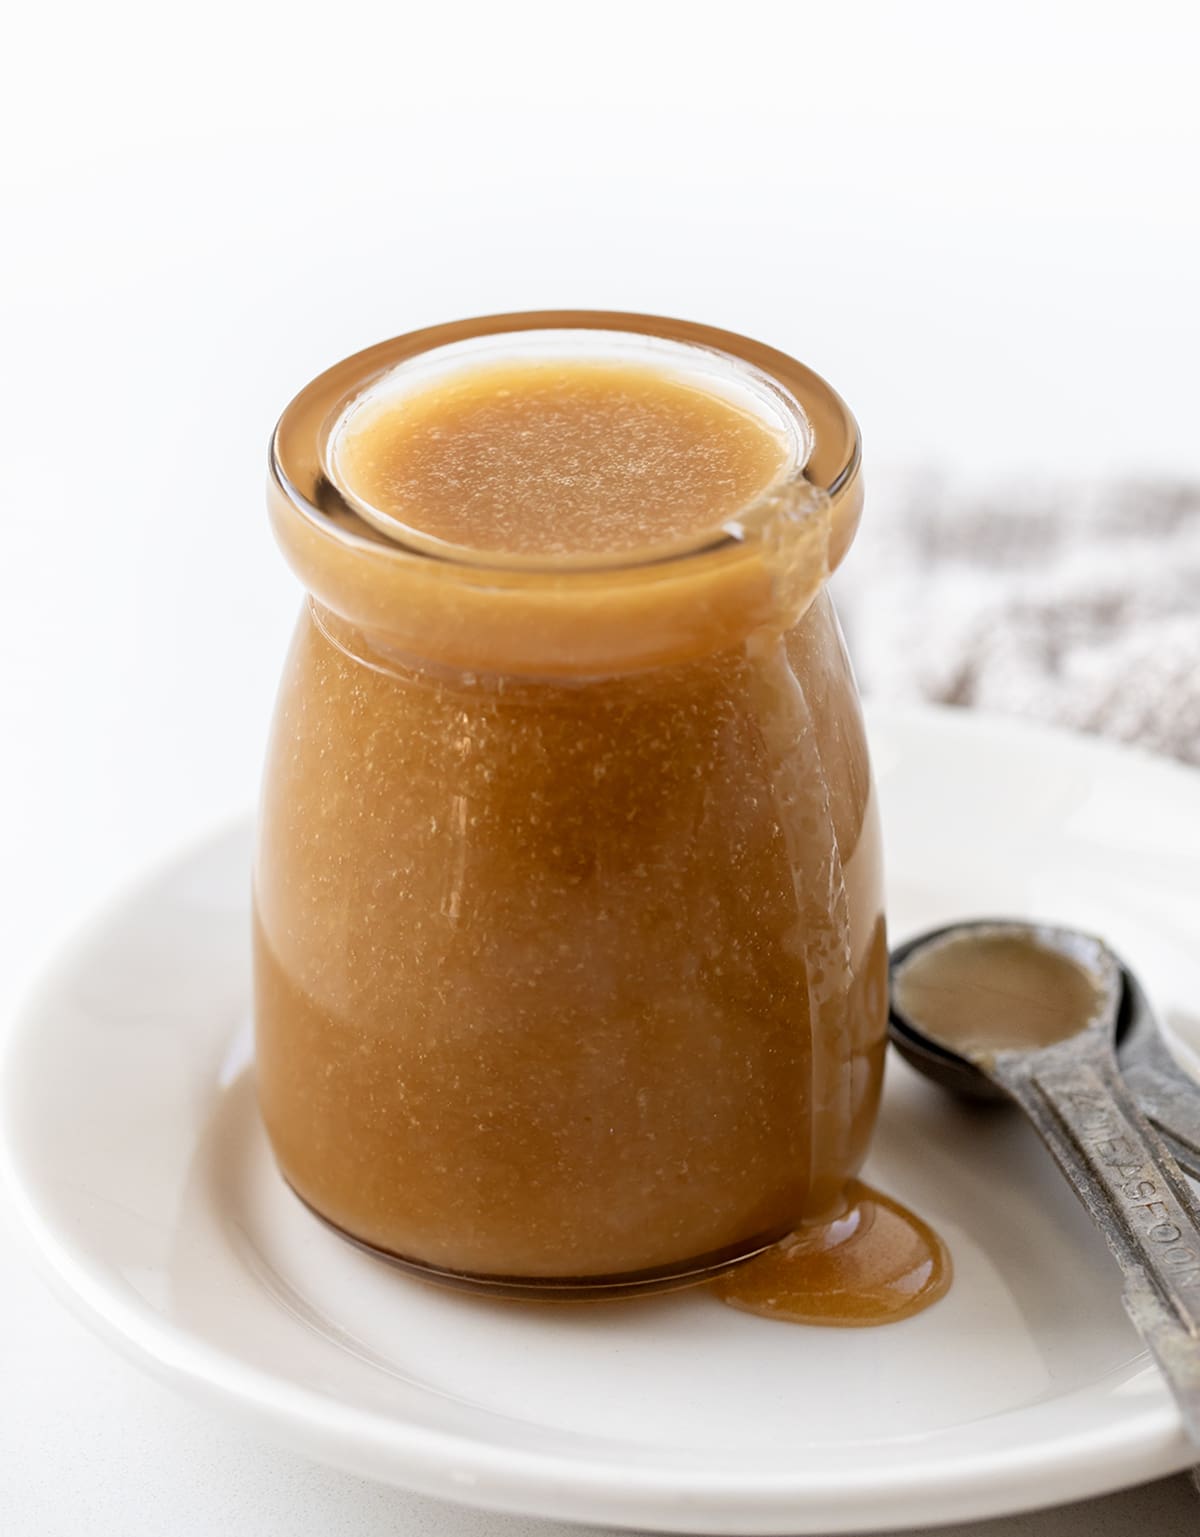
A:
(559, 458)
(570, 960)
(981, 992)
(873, 1263)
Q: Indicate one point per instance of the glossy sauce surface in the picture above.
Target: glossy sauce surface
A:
(983, 993)
(875, 1262)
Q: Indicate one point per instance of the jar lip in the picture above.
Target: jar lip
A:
(299, 447)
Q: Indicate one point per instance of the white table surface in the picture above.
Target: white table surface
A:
(978, 231)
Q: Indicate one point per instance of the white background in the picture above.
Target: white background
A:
(979, 221)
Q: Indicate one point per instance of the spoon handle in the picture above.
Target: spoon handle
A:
(1133, 1188)
(1171, 1099)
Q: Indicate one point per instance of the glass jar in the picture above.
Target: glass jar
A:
(570, 960)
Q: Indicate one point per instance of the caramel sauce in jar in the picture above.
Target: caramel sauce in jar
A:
(570, 959)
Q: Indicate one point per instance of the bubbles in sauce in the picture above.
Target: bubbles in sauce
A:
(873, 1263)
(981, 992)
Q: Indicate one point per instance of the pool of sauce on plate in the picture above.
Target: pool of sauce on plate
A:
(980, 992)
(874, 1262)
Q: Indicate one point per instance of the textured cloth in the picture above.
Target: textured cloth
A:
(1078, 606)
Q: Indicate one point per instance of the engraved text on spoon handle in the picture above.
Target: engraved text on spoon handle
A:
(1117, 1164)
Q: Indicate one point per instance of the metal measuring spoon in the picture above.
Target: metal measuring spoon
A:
(1166, 1093)
(1072, 1090)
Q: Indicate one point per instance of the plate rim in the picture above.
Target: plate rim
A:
(1087, 1462)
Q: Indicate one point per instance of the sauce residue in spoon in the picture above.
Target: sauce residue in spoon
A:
(980, 992)
(874, 1262)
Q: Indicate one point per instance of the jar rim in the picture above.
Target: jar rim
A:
(299, 449)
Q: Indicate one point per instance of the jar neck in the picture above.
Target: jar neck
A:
(570, 617)
(429, 614)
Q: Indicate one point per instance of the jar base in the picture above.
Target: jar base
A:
(639, 1283)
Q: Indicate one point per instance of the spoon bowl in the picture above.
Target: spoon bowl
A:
(951, 1070)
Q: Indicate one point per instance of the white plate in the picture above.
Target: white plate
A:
(141, 1169)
